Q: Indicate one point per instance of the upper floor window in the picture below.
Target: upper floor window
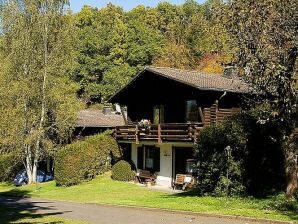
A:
(159, 114)
(192, 113)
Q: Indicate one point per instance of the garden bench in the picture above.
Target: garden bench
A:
(144, 176)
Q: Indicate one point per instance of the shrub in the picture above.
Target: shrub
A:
(122, 171)
(213, 163)
(9, 164)
(264, 164)
(83, 160)
(281, 203)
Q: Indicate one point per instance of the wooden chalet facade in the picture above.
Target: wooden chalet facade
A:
(178, 104)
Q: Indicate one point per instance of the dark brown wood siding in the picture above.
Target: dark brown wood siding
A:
(151, 90)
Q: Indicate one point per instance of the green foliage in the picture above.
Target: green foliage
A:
(75, 163)
(122, 171)
(8, 164)
(264, 38)
(281, 203)
(37, 62)
(114, 44)
(213, 163)
(264, 168)
(268, 54)
(83, 160)
(116, 78)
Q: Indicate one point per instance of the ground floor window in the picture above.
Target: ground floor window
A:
(149, 158)
(126, 153)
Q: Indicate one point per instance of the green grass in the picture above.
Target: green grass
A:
(18, 215)
(104, 190)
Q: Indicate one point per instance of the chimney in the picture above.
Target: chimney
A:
(106, 110)
(231, 72)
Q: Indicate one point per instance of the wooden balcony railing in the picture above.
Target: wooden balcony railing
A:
(175, 131)
(214, 114)
(160, 133)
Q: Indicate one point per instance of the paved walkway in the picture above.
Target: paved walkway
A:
(159, 188)
(111, 214)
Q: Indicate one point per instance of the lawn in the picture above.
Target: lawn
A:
(104, 190)
(18, 215)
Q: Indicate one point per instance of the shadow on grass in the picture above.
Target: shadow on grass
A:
(190, 193)
(15, 207)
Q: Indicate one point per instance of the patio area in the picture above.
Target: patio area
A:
(160, 188)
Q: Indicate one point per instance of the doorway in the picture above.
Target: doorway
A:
(182, 159)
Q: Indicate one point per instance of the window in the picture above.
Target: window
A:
(140, 158)
(149, 158)
(192, 113)
(159, 114)
(126, 151)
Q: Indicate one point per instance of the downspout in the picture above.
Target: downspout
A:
(217, 103)
(223, 95)
(124, 115)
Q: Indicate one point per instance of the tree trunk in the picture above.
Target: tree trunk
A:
(43, 102)
(29, 165)
(34, 171)
(291, 167)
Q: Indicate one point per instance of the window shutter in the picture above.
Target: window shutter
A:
(140, 158)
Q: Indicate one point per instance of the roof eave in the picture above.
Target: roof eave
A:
(194, 86)
(110, 100)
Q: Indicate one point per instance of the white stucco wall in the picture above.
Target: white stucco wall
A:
(164, 177)
(134, 153)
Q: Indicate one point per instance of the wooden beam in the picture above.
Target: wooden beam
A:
(159, 135)
(190, 131)
(137, 135)
(216, 110)
(201, 115)
(123, 115)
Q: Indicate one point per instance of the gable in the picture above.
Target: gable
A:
(165, 82)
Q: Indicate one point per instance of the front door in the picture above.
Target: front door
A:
(182, 156)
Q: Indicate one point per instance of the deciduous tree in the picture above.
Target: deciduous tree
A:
(39, 104)
(264, 35)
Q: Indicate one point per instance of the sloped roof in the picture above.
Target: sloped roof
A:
(196, 79)
(202, 80)
(96, 118)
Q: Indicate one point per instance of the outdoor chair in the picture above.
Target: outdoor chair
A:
(182, 181)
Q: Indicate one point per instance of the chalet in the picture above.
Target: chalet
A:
(176, 105)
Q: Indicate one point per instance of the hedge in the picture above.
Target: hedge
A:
(83, 160)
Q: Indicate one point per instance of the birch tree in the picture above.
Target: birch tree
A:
(40, 105)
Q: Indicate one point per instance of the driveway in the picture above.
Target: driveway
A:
(103, 214)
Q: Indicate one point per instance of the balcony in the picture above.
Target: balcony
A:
(160, 133)
(178, 132)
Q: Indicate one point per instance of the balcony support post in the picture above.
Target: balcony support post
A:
(137, 135)
(159, 134)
